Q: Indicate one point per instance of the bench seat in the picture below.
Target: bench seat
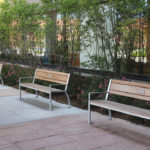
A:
(127, 109)
(41, 88)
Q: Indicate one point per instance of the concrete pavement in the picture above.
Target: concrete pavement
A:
(12, 110)
(72, 132)
(63, 128)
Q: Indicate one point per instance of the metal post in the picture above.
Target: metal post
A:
(89, 110)
(2, 81)
(20, 91)
(110, 116)
(107, 94)
(66, 86)
(50, 101)
(68, 98)
(36, 94)
(34, 76)
(50, 98)
(20, 88)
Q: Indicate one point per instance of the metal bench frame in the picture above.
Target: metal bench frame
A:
(89, 102)
(142, 93)
(50, 89)
(1, 66)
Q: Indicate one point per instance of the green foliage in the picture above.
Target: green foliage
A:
(79, 90)
(11, 73)
(20, 28)
(79, 87)
(106, 30)
(113, 28)
(96, 62)
(139, 53)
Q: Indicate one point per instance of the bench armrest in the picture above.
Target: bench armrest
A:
(50, 86)
(90, 93)
(20, 78)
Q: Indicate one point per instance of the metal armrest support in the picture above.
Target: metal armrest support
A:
(20, 78)
(50, 94)
(90, 93)
(50, 86)
(89, 103)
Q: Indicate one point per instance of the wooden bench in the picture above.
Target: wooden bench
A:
(123, 88)
(1, 66)
(59, 78)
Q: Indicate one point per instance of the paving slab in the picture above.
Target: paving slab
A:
(9, 91)
(72, 132)
(29, 125)
(13, 110)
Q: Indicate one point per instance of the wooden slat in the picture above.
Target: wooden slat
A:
(39, 87)
(131, 110)
(51, 71)
(142, 85)
(141, 97)
(53, 76)
(130, 89)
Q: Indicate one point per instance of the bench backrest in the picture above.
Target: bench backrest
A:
(52, 76)
(129, 89)
(1, 65)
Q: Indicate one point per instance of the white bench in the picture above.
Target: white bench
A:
(1, 66)
(124, 88)
(59, 78)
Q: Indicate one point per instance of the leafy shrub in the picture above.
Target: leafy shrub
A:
(11, 73)
(79, 87)
(139, 53)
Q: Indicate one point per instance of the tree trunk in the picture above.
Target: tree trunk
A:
(148, 31)
(65, 45)
(50, 37)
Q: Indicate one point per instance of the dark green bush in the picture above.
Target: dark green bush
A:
(11, 73)
(80, 86)
(78, 89)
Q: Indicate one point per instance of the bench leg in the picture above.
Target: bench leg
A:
(110, 116)
(50, 101)
(36, 94)
(20, 91)
(2, 81)
(68, 98)
(89, 113)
